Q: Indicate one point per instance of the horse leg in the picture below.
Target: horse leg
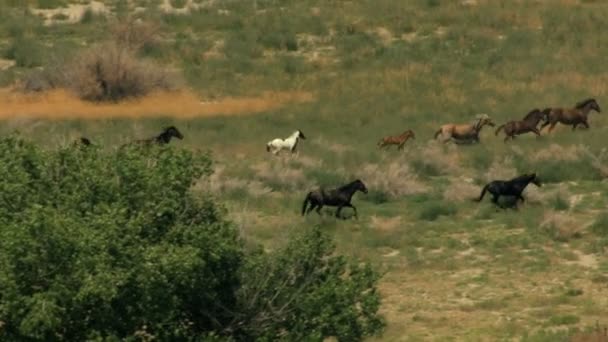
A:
(319, 209)
(521, 198)
(338, 211)
(574, 126)
(586, 124)
(312, 206)
(552, 126)
(350, 205)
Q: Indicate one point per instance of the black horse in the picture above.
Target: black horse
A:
(339, 197)
(82, 141)
(513, 187)
(161, 139)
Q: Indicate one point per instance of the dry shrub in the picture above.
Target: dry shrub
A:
(134, 34)
(111, 72)
(500, 169)
(558, 152)
(393, 178)
(443, 158)
(386, 224)
(461, 189)
(560, 226)
(280, 174)
(599, 334)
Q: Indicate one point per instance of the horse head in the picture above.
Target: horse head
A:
(482, 120)
(360, 186)
(172, 131)
(534, 179)
(590, 104)
(84, 141)
(410, 133)
(301, 135)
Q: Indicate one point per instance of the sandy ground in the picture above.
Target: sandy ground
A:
(183, 105)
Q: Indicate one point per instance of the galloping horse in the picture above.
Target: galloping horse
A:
(464, 132)
(275, 146)
(163, 138)
(528, 124)
(513, 187)
(571, 116)
(339, 197)
(397, 140)
(82, 141)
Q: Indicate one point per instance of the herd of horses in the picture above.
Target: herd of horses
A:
(342, 196)
(459, 133)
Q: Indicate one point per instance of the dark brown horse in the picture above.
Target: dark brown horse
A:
(528, 124)
(339, 197)
(162, 139)
(397, 140)
(571, 116)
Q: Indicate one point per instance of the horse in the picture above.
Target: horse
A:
(464, 132)
(290, 143)
(513, 187)
(338, 197)
(571, 116)
(163, 138)
(82, 141)
(397, 140)
(528, 124)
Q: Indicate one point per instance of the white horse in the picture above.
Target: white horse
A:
(275, 146)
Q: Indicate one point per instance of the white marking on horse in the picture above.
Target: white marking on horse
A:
(290, 143)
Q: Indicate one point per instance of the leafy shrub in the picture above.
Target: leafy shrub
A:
(26, 52)
(306, 292)
(115, 246)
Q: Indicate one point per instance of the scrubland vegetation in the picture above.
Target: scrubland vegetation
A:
(452, 268)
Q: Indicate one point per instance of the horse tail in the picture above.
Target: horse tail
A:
(380, 143)
(305, 204)
(438, 132)
(483, 193)
(268, 147)
(499, 128)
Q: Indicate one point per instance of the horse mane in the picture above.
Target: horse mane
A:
(525, 176)
(349, 185)
(582, 104)
(532, 113)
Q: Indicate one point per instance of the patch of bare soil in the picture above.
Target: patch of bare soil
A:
(60, 104)
(73, 13)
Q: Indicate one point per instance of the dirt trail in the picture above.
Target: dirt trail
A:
(59, 105)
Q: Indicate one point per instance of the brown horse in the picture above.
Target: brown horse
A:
(397, 140)
(571, 116)
(528, 124)
(464, 132)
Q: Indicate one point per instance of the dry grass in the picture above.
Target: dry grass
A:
(461, 189)
(61, 104)
(395, 178)
(560, 226)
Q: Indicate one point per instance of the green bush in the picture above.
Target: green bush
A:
(116, 246)
(26, 52)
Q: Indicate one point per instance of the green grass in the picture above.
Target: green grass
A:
(441, 62)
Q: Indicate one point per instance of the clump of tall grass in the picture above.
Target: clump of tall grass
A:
(560, 227)
(392, 179)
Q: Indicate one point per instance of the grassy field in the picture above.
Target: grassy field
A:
(359, 70)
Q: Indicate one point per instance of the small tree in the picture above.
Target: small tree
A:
(115, 246)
